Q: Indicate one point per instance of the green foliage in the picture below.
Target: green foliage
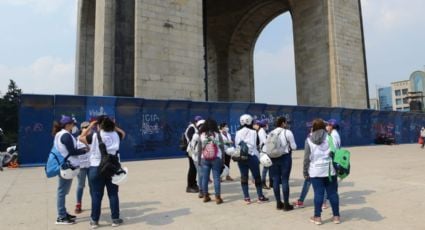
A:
(9, 106)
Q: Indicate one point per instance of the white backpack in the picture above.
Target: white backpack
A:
(274, 145)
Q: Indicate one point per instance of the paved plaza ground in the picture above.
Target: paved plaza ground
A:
(385, 191)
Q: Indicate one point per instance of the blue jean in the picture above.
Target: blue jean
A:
(304, 191)
(63, 189)
(264, 173)
(280, 172)
(97, 187)
(200, 173)
(81, 183)
(320, 185)
(215, 166)
(253, 165)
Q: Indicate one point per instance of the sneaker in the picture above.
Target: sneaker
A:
(262, 199)
(247, 200)
(228, 178)
(78, 209)
(201, 195)
(298, 204)
(94, 224)
(117, 222)
(72, 217)
(65, 220)
(316, 220)
(207, 198)
(336, 220)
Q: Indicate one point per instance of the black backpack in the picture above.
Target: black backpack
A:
(183, 142)
(109, 164)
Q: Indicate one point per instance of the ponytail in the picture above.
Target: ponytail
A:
(56, 128)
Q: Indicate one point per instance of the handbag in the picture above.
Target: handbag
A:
(109, 164)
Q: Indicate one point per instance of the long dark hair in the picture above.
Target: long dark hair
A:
(56, 128)
(209, 127)
(107, 124)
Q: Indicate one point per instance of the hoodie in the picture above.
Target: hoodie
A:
(317, 138)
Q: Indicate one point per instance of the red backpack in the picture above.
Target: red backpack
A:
(210, 150)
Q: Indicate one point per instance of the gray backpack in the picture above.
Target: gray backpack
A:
(274, 145)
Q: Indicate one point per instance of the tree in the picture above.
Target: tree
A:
(9, 107)
(13, 93)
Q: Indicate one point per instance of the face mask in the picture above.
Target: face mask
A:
(74, 130)
(226, 129)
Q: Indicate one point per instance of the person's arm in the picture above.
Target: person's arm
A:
(306, 163)
(67, 140)
(120, 132)
(86, 133)
(190, 133)
(291, 140)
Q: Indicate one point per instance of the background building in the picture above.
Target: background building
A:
(417, 87)
(374, 103)
(385, 98)
(400, 91)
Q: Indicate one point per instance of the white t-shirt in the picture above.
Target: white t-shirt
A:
(250, 138)
(112, 143)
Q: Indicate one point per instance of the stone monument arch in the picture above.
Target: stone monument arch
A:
(203, 49)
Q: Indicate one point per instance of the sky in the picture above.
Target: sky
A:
(38, 44)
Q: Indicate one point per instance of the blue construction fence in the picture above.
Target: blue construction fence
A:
(154, 127)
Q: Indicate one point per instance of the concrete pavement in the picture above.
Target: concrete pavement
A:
(384, 191)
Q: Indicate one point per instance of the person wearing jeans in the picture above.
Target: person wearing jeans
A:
(84, 164)
(215, 167)
(247, 134)
(280, 171)
(97, 187)
(111, 136)
(282, 165)
(65, 143)
(252, 164)
(319, 169)
(210, 142)
(320, 186)
(64, 186)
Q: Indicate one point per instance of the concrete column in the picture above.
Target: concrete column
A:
(169, 50)
(329, 58)
(347, 64)
(85, 48)
(104, 49)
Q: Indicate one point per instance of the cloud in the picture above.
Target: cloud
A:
(392, 14)
(46, 75)
(39, 6)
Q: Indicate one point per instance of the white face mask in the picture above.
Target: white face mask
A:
(74, 130)
(226, 129)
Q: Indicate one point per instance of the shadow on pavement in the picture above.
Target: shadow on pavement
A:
(367, 213)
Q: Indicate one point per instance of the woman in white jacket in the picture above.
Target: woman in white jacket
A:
(318, 167)
(247, 134)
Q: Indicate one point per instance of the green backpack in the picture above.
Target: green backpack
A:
(340, 160)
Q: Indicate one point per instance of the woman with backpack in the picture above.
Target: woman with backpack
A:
(282, 163)
(66, 144)
(211, 153)
(246, 135)
(319, 169)
(111, 136)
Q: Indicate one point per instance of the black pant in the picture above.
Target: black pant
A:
(227, 160)
(191, 174)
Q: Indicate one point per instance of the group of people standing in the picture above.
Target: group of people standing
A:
(83, 156)
(317, 167)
